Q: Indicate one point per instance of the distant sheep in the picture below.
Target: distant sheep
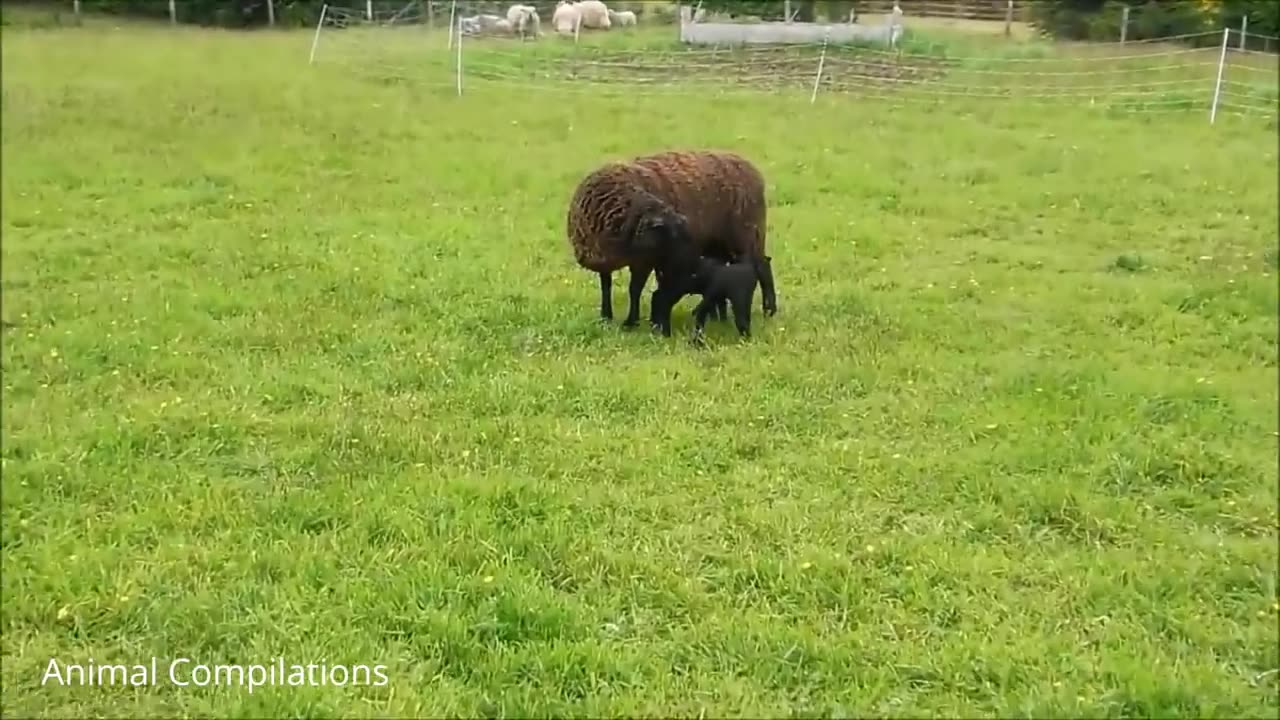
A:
(478, 24)
(566, 17)
(595, 15)
(524, 20)
(485, 25)
(661, 213)
(624, 18)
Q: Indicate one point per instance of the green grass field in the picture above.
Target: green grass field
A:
(298, 365)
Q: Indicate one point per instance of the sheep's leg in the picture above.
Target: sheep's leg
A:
(722, 310)
(639, 277)
(663, 300)
(606, 296)
(768, 297)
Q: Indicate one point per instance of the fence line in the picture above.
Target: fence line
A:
(1150, 76)
(986, 10)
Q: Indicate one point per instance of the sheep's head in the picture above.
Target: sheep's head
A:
(662, 233)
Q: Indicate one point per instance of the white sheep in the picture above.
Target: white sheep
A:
(524, 20)
(595, 14)
(485, 25)
(566, 17)
(624, 18)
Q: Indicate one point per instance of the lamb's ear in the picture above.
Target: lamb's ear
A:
(631, 225)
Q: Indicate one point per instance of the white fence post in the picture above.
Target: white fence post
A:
(173, 12)
(75, 5)
(1244, 29)
(271, 13)
(453, 10)
(459, 73)
(368, 10)
(324, 9)
(822, 61)
(1124, 24)
(1217, 87)
(1008, 19)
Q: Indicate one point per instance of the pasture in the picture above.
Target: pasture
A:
(297, 364)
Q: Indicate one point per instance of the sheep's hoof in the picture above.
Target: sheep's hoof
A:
(771, 310)
(630, 323)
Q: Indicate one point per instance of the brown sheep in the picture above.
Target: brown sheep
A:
(662, 212)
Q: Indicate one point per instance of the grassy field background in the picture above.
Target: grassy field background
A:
(299, 365)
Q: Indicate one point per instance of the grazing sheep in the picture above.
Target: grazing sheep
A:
(661, 213)
(595, 15)
(524, 20)
(481, 25)
(624, 18)
(566, 17)
(719, 282)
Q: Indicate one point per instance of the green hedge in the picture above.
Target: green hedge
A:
(1101, 20)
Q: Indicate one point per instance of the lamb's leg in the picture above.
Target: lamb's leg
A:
(742, 312)
(700, 315)
(722, 310)
(639, 277)
(606, 296)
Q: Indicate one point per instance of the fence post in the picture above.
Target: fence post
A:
(271, 13)
(431, 15)
(459, 57)
(1124, 24)
(316, 40)
(1217, 87)
(368, 10)
(822, 60)
(173, 12)
(1244, 29)
(75, 6)
(786, 10)
(1008, 19)
(453, 9)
